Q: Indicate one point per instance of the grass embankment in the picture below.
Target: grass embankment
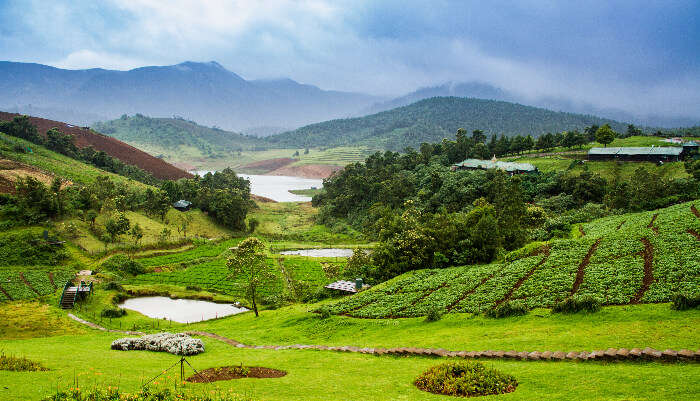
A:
(307, 192)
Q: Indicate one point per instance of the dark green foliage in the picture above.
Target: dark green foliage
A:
(685, 302)
(577, 304)
(433, 315)
(113, 393)
(507, 309)
(21, 127)
(431, 120)
(123, 264)
(605, 134)
(117, 225)
(324, 312)
(19, 364)
(193, 288)
(465, 379)
(113, 312)
(119, 298)
(29, 248)
(113, 286)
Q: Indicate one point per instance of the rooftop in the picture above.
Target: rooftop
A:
(653, 150)
(488, 164)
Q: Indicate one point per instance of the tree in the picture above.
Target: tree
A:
(117, 226)
(164, 234)
(249, 264)
(91, 216)
(632, 130)
(184, 221)
(605, 134)
(136, 233)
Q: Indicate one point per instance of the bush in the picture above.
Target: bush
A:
(145, 394)
(577, 304)
(466, 379)
(324, 312)
(508, 308)
(113, 286)
(177, 344)
(434, 314)
(123, 264)
(119, 298)
(113, 312)
(19, 364)
(685, 302)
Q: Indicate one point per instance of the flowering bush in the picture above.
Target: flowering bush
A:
(467, 379)
(177, 344)
(146, 394)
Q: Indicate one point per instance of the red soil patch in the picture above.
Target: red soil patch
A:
(270, 164)
(6, 294)
(695, 211)
(580, 229)
(694, 233)
(582, 267)
(233, 372)
(11, 171)
(53, 283)
(307, 171)
(113, 147)
(648, 254)
(525, 277)
(651, 224)
(21, 275)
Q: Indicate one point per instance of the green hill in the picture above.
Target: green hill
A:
(632, 258)
(432, 119)
(175, 138)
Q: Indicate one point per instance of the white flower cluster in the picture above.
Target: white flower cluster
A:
(177, 344)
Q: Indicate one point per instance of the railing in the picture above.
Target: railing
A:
(63, 294)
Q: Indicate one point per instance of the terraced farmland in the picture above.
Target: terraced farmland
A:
(32, 282)
(632, 258)
(338, 156)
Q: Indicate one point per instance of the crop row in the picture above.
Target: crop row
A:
(206, 250)
(11, 281)
(609, 262)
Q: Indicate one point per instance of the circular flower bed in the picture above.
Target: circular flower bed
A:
(466, 379)
(178, 344)
(235, 372)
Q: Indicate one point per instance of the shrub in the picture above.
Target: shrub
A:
(113, 286)
(123, 264)
(19, 364)
(467, 379)
(119, 298)
(434, 314)
(324, 312)
(577, 304)
(508, 308)
(113, 312)
(146, 394)
(685, 302)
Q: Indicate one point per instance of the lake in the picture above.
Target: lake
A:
(180, 310)
(276, 187)
(321, 253)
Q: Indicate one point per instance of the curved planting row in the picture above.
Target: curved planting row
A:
(27, 284)
(633, 258)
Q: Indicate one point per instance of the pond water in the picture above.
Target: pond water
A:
(180, 310)
(276, 187)
(321, 253)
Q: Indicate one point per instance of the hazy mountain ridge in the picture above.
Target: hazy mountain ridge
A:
(205, 92)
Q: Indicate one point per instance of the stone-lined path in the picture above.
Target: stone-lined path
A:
(610, 354)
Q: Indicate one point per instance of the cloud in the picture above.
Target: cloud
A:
(641, 58)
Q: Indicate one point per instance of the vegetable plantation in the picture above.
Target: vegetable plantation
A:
(631, 258)
(31, 282)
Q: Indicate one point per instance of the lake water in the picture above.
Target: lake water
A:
(180, 310)
(321, 253)
(276, 187)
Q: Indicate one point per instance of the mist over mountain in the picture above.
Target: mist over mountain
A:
(204, 92)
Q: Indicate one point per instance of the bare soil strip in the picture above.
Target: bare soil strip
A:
(651, 224)
(427, 293)
(694, 233)
(468, 293)
(235, 372)
(695, 211)
(580, 229)
(620, 226)
(51, 280)
(648, 254)
(6, 294)
(582, 267)
(525, 277)
(21, 275)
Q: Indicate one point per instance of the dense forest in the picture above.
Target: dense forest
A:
(433, 119)
(423, 214)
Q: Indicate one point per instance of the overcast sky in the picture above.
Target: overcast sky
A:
(639, 56)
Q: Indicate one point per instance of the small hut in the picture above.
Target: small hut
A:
(182, 205)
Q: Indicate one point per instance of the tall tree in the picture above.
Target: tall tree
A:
(249, 263)
(605, 135)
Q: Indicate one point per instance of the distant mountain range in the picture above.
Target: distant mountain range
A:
(431, 120)
(205, 92)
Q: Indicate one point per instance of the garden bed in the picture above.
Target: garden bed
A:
(235, 372)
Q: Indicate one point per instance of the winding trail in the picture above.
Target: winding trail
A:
(610, 354)
(582, 267)
(648, 254)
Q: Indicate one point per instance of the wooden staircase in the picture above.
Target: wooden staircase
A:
(68, 297)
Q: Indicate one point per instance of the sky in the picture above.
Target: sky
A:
(642, 57)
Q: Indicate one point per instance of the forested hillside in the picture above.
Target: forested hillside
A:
(433, 119)
(172, 137)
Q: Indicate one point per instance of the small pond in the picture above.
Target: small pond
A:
(276, 187)
(180, 310)
(321, 253)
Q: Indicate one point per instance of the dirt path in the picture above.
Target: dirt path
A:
(525, 277)
(24, 279)
(468, 293)
(98, 327)
(53, 283)
(582, 267)
(6, 294)
(648, 254)
(651, 224)
(620, 226)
